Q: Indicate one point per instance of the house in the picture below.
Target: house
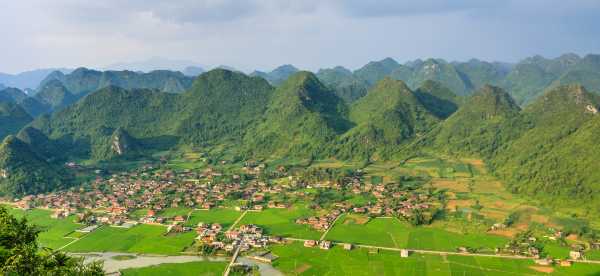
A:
(347, 246)
(565, 263)
(575, 255)
(265, 257)
(404, 253)
(326, 245)
(310, 243)
(543, 261)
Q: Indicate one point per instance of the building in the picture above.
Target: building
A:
(404, 253)
(347, 246)
(310, 243)
(575, 255)
(326, 245)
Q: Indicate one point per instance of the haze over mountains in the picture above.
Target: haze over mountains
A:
(535, 123)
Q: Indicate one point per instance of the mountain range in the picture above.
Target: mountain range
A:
(545, 148)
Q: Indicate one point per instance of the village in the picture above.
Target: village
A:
(142, 196)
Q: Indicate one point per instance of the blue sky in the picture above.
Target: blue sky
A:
(261, 34)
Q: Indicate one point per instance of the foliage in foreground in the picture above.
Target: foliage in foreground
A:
(20, 254)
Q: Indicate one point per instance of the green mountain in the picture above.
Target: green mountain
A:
(83, 81)
(220, 106)
(375, 71)
(302, 118)
(438, 99)
(389, 115)
(278, 75)
(478, 73)
(347, 86)
(55, 95)
(31, 105)
(440, 71)
(12, 95)
(23, 172)
(585, 72)
(530, 77)
(553, 157)
(483, 124)
(87, 125)
(12, 118)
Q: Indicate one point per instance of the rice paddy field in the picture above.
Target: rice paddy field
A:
(281, 222)
(294, 259)
(179, 269)
(149, 239)
(54, 231)
(224, 216)
(391, 232)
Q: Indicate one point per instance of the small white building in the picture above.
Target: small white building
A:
(404, 253)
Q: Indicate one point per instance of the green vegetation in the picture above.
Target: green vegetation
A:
(53, 231)
(282, 222)
(148, 239)
(223, 216)
(12, 118)
(20, 254)
(390, 232)
(297, 260)
(23, 172)
(183, 269)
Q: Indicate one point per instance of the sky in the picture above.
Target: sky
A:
(310, 34)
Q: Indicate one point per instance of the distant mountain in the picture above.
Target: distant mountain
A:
(347, 86)
(31, 105)
(29, 79)
(153, 64)
(530, 77)
(193, 71)
(278, 75)
(12, 118)
(55, 95)
(477, 73)
(375, 71)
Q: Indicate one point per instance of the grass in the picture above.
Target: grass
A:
(53, 230)
(224, 216)
(294, 259)
(148, 239)
(171, 212)
(183, 269)
(394, 233)
(281, 222)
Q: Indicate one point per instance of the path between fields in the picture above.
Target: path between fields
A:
(332, 224)
(434, 252)
(237, 220)
(235, 255)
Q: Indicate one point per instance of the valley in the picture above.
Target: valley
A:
(187, 206)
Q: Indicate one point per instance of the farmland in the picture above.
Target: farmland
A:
(148, 239)
(390, 232)
(281, 222)
(53, 230)
(298, 260)
(181, 269)
(223, 216)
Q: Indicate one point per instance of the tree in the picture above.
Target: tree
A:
(21, 255)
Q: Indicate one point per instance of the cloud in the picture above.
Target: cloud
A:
(261, 34)
(366, 8)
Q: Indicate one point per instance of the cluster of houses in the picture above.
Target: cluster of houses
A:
(321, 223)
